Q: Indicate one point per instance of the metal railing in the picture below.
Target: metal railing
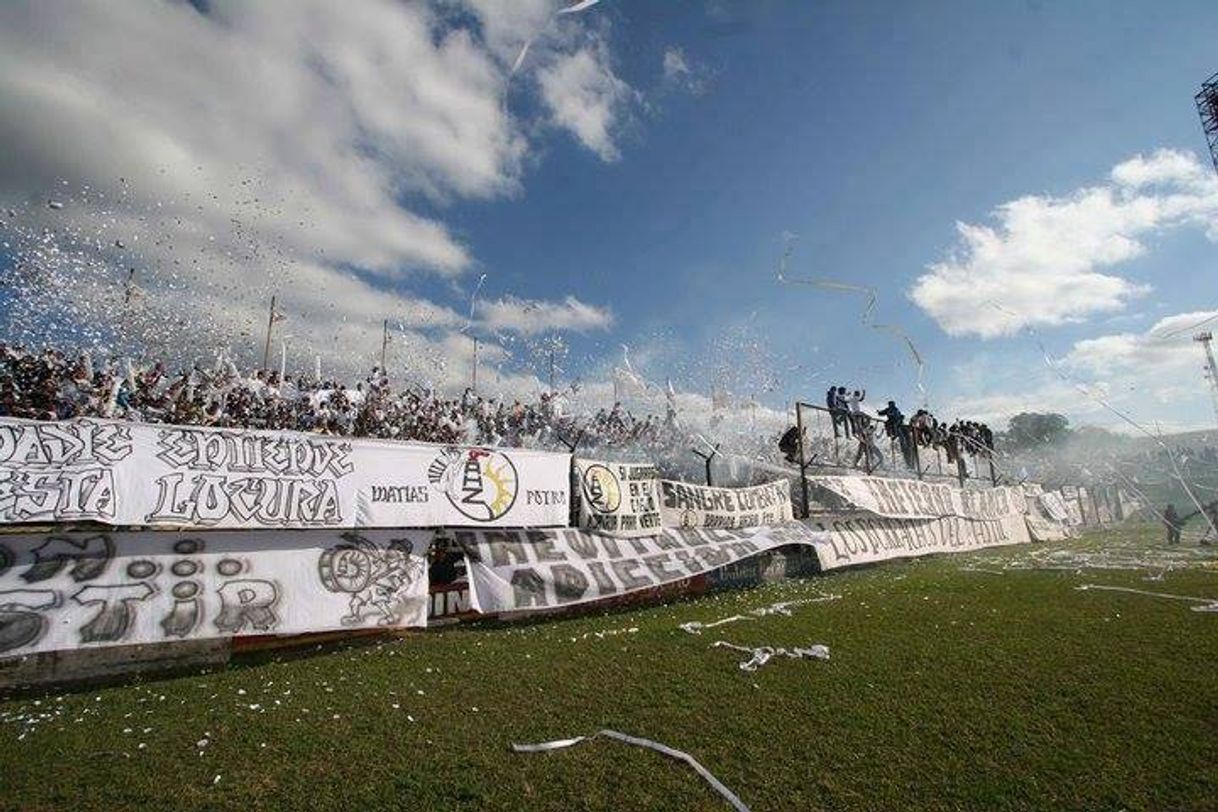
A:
(840, 439)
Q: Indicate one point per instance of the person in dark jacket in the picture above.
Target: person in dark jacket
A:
(836, 404)
(1174, 523)
(892, 420)
(789, 444)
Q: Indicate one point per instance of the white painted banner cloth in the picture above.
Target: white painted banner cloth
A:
(86, 590)
(915, 499)
(857, 539)
(122, 473)
(617, 498)
(683, 504)
(514, 571)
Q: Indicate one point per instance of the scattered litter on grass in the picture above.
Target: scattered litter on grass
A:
(1154, 561)
(694, 627)
(606, 633)
(763, 654)
(1209, 604)
(559, 744)
(780, 608)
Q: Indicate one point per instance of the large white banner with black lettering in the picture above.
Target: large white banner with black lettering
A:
(528, 570)
(684, 504)
(915, 499)
(67, 591)
(618, 498)
(132, 474)
(854, 540)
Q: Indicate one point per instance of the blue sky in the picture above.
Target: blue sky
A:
(868, 132)
(658, 199)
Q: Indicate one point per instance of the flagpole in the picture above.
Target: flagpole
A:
(270, 323)
(475, 386)
(551, 370)
(384, 344)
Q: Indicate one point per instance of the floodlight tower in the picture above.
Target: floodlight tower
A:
(1207, 108)
(1211, 369)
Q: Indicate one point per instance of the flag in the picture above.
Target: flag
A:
(627, 383)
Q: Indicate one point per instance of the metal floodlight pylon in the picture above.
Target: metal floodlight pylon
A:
(1211, 367)
(1207, 108)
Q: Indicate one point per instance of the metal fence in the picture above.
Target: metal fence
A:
(838, 439)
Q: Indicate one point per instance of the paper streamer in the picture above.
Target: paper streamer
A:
(1171, 456)
(524, 51)
(868, 309)
(578, 7)
(694, 627)
(913, 352)
(663, 749)
(473, 300)
(780, 608)
(829, 284)
(583, 5)
(1049, 362)
(763, 654)
(1211, 604)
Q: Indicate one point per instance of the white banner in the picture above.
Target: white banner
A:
(914, 499)
(1086, 506)
(861, 539)
(1052, 504)
(1069, 495)
(1042, 528)
(683, 504)
(528, 570)
(133, 474)
(618, 498)
(83, 590)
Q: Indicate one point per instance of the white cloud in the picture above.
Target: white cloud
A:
(336, 111)
(1162, 358)
(506, 27)
(1154, 377)
(1164, 166)
(274, 148)
(1044, 262)
(585, 97)
(681, 71)
(531, 316)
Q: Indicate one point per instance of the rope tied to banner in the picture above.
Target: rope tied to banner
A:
(663, 749)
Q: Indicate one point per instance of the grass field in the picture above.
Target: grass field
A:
(948, 688)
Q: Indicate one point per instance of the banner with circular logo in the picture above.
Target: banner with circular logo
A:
(618, 498)
(467, 486)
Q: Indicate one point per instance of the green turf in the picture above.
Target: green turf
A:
(947, 689)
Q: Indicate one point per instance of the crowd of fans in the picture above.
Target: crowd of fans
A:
(54, 385)
(921, 431)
